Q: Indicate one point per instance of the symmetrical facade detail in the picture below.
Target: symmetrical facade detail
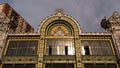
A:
(58, 43)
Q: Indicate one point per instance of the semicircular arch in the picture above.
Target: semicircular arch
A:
(59, 16)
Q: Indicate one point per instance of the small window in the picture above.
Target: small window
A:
(50, 50)
(87, 50)
(66, 50)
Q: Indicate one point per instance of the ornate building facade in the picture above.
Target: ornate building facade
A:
(11, 22)
(59, 43)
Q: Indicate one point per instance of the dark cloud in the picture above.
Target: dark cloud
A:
(87, 12)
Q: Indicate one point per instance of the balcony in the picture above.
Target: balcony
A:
(98, 59)
(19, 59)
(59, 59)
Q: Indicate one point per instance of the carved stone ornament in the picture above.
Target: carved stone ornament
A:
(59, 10)
(115, 17)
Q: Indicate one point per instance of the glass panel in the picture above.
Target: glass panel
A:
(22, 47)
(60, 47)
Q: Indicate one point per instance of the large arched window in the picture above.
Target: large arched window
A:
(57, 27)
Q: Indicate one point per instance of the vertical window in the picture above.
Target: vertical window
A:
(66, 50)
(50, 50)
(87, 51)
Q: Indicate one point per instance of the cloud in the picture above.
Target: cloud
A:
(88, 13)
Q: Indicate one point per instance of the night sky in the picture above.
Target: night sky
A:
(88, 13)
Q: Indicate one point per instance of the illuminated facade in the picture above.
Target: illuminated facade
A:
(61, 43)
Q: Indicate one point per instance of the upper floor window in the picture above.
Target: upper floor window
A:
(60, 47)
(96, 47)
(17, 48)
